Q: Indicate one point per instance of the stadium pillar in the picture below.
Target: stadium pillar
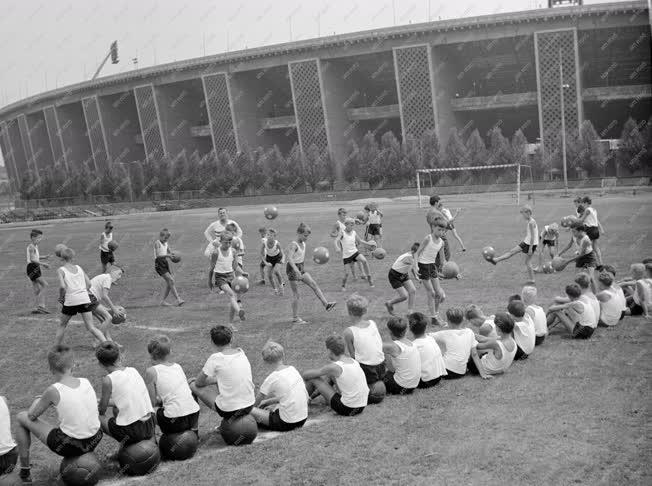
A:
(96, 133)
(217, 95)
(74, 135)
(16, 150)
(54, 135)
(150, 123)
(39, 140)
(27, 144)
(9, 158)
(445, 78)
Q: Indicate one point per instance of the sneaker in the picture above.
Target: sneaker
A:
(221, 292)
(241, 314)
(25, 475)
(371, 284)
(492, 260)
(180, 303)
(42, 310)
(390, 308)
(463, 249)
(298, 320)
(330, 305)
(261, 282)
(343, 288)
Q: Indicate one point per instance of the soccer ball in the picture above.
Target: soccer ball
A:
(488, 252)
(557, 263)
(361, 217)
(179, 446)
(59, 249)
(116, 318)
(568, 221)
(271, 212)
(320, 255)
(140, 458)
(112, 245)
(239, 431)
(175, 258)
(450, 270)
(547, 268)
(81, 470)
(240, 284)
(379, 253)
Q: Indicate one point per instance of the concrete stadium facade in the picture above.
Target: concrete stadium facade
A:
(515, 70)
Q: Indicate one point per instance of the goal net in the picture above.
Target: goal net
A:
(511, 178)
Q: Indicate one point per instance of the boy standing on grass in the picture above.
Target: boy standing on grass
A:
(162, 254)
(430, 251)
(106, 254)
(33, 270)
(585, 258)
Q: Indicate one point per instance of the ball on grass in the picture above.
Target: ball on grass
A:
(557, 263)
(119, 318)
(240, 430)
(547, 268)
(140, 458)
(377, 392)
(379, 253)
(178, 447)
(450, 270)
(112, 245)
(488, 252)
(320, 255)
(271, 212)
(59, 249)
(80, 471)
(240, 284)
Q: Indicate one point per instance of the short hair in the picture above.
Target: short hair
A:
(272, 230)
(514, 297)
(341, 211)
(272, 352)
(637, 269)
(434, 199)
(357, 305)
(262, 229)
(159, 347)
(107, 353)
(455, 315)
(221, 209)
(587, 200)
(605, 279)
(349, 220)
(60, 358)
(231, 225)
(35, 232)
(397, 326)
(67, 254)
(607, 268)
(646, 261)
(335, 344)
(415, 247)
(583, 280)
(221, 335)
(516, 308)
(440, 222)
(526, 209)
(164, 232)
(418, 323)
(117, 268)
(573, 291)
(578, 199)
(529, 294)
(504, 322)
(648, 267)
(578, 226)
(472, 311)
(108, 224)
(303, 229)
(226, 236)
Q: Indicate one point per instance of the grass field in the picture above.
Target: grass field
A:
(574, 413)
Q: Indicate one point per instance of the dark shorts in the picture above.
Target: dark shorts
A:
(8, 461)
(587, 261)
(394, 388)
(351, 259)
(452, 375)
(274, 260)
(292, 275)
(582, 332)
(429, 383)
(397, 279)
(374, 229)
(176, 425)
(241, 412)
(107, 257)
(525, 248)
(635, 309)
(593, 232)
(132, 433)
(66, 446)
(161, 265)
(548, 242)
(276, 423)
(427, 271)
(33, 271)
(373, 373)
(539, 340)
(71, 310)
(223, 278)
(341, 409)
(520, 354)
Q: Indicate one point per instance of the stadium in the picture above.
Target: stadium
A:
(542, 73)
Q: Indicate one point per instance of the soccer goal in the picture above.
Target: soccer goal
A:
(427, 181)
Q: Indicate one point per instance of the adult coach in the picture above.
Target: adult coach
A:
(216, 228)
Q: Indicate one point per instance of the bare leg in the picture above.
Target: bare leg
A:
(261, 416)
(598, 252)
(365, 266)
(458, 238)
(322, 387)
(514, 251)
(233, 302)
(270, 277)
(309, 281)
(166, 291)
(104, 317)
(172, 288)
(206, 394)
(431, 295)
(63, 323)
(90, 327)
(295, 299)
(440, 296)
(26, 428)
(346, 274)
(402, 297)
(412, 293)
(528, 266)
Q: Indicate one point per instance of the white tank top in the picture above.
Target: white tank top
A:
(274, 250)
(76, 291)
(429, 254)
(538, 317)
(646, 283)
(587, 317)
(77, 410)
(38, 256)
(610, 310)
(299, 255)
(589, 247)
(241, 248)
(493, 365)
(349, 247)
(591, 218)
(160, 249)
(6, 440)
(224, 263)
(407, 365)
(531, 239)
(341, 227)
(402, 264)
(374, 217)
(592, 301)
(368, 344)
(352, 384)
(104, 241)
(130, 396)
(432, 361)
(172, 387)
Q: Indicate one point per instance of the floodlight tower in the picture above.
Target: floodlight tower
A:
(113, 54)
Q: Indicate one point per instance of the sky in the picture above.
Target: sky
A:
(46, 44)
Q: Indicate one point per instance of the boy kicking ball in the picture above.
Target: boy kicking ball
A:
(349, 241)
(528, 246)
(224, 268)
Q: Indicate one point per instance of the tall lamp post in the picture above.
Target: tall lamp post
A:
(562, 86)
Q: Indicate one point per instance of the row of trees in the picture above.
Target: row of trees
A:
(370, 163)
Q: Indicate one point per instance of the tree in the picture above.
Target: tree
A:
(632, 147)
(352, 167)
(519, 148)
(313, 167)
(431, 150)
(276, 169)
(499, 148)
(369, 159)
(588, 153)
(476, 150)
(389, 160)
(455, 154)
(411, 159)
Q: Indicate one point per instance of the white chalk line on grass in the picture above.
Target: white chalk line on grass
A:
(206, 454)
(134, 326)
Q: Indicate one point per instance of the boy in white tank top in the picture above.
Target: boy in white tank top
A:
(404, 359)
(536, 313)
(162, 256)
(492, 356)
(528, 246)
(223, 269)
(524, 332)
(336, 233)
(429, 253)
(610, 307)
(576, 316)
(589, 218)
(352, 394)
(106, 253)
(363, 340)
(8, 449)
(33, 270)
(349, 241)
(282, 401)
(272, 257)
(74, 297)
(169, 391)
(399, 279)
(433, 366)
(75, 402)
(125, 391)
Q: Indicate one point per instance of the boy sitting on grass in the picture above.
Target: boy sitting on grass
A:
(576, 316)
(536, 313)
(432, 362)
(455, 343)
(363, 341)
(282, 401)
(524, 331)
(493, 356)
(480, 323)
(404, 359)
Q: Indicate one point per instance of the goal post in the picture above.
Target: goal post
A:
(521, 171)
